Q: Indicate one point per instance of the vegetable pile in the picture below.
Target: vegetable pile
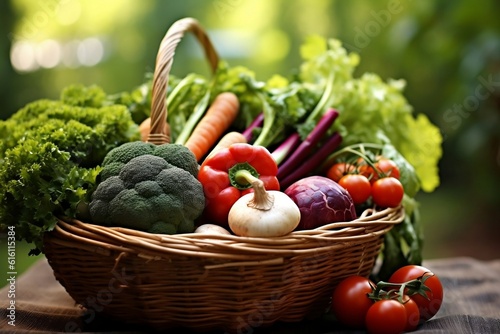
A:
(247, 139)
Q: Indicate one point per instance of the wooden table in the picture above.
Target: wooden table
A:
(471, 304)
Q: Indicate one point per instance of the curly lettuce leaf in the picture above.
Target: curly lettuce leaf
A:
(423, 150)
(371, 110)
(39, 181)
(49, 157)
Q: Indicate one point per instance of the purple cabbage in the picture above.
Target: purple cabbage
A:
(321, 201)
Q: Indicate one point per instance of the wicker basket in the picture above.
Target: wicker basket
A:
(203, 281)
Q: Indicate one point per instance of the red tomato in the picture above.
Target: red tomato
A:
(388, 167)
(429, 306)
(386, 316)
(367, 171)
(350, 301)
(357, 186)
(412, 314)
(339, 169)
(387, 192)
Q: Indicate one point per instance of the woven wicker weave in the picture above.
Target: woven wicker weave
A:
(203, 281)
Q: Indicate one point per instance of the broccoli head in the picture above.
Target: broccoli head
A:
(148, 194)
(176, 155)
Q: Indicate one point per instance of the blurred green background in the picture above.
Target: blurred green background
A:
(447, 51)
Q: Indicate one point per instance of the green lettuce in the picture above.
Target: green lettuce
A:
(50, 153)
(371, 110)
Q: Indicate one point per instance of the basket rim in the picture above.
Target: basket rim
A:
(371, 225)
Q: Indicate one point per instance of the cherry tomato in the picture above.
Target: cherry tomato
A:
(340, 169)
(429, 306)
(412, 314)
(357, 186)
(387, 192)
(366, 170)
(350, 301)
(386, 316)
(388, 168)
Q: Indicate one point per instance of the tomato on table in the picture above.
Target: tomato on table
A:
(431, 303)
(350, 301)
(412, 314)
(386, 316)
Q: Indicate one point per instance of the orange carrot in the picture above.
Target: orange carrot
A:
(229, 138)
(212, 126)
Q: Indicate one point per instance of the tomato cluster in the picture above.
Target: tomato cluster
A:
(364, 179)
(412, 295)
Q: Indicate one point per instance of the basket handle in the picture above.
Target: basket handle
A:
(159, 133)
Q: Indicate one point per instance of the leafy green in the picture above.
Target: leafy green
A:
(181, 98)
(424, 150)
(403, 243)
(284, 102)
(371, 110)
(242, 82)
(50, 153)
(193, 119)
(137, 101)
(79, 96)
(292, 104)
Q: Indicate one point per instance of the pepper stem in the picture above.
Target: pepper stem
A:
(261, 200)
(239, 175)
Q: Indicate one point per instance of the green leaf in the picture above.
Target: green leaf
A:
(313, 46)
(50, 154)
(423, 150)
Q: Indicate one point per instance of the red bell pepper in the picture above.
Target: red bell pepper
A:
(223, 185)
